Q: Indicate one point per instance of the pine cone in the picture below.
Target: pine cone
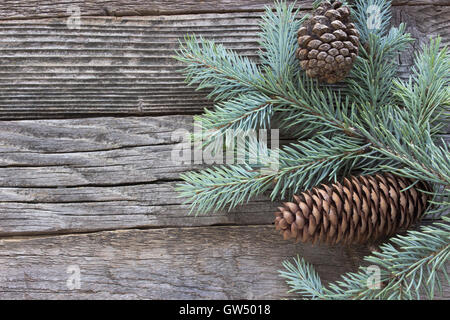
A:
(363, 209)
(328, 43)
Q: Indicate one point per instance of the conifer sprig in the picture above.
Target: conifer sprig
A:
(240, 114)
(212, 66)
(296, 167)
(426, 94)
(372, 17)
(372, 76)
(411, 267)
(377, 122)
(319, 110)
(278, 40)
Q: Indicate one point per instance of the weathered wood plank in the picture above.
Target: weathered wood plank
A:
(79, 175)
(124, 66)
(87, 152)
(422, 22)
(238, 262)
(26, 9)
(60, 176)
(31, 211)
(171, 263)
(23, 9)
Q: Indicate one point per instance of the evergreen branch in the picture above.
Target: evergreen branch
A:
(211, 66)
(399, 136)
(382, 124)
(230, 76)
(308, 163)
(244, 113)
(372, 75)
(372, 17)
(296, 167)
(302, 278)
(306, 106)
(311, 110)
(278, 40)
(213, 189)
(410, 267)
(427, 93)
(406, 134)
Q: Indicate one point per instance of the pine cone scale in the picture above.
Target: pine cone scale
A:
(362, 209)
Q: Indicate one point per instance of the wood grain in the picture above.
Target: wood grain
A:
(237, 262)
(61, 176)
(111, 179)
(84, 175)
(172, 263)
(34, 211)
(26, 9)
(124, 66)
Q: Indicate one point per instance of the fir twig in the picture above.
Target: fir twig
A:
(212, 66)
(411, 266)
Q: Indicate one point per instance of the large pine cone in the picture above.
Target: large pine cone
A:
(363, 209)
(328, 43)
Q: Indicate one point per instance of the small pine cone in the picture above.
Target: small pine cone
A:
(328, 43)
(362, 209)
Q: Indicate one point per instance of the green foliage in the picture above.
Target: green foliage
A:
(375, 122)
(278, 38)
(426, 95)
(211, 66)
(224, 186)
(383, 124)
(372, 76)
(302, 278)
(245, 112)
(372, 17)
(411, 267)
(407, 132)
(295, 167)
(307, 163)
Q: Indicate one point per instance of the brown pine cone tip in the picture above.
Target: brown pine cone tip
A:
(328, 43)
(362, 209)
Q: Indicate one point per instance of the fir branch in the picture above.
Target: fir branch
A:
(372, 17)
(407, 134)
(320, 110)
(236, 78)
(399, 136)
(302, 278)
(211, 66)
(373, 73)
(308, 163)
(410, 267)
(309, 109)
(364, 131)
(297, 166)
(213, 189)
(278, 40)
(427, 93)
(246, 112)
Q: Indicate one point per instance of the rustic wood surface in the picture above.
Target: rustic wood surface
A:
(86, 176)
(124, 66)
(23, 9)
(238, 262)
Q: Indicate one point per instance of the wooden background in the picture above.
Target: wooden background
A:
(86, 179)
